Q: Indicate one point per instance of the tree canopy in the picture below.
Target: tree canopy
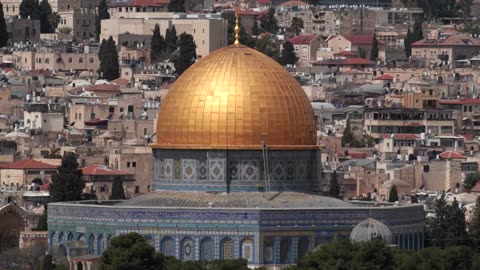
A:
(108, 56)
(471, 180)
(187, 53)
(45, 11)
(67, 182)
(269, 23)
(158, 45)
(374, 50)
(171, 39)
(268, 47)
(3, 28)
(297, 25)
(30, 8)
(118, 193)
(288, 54)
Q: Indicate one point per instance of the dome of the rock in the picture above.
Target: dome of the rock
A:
(236, 97)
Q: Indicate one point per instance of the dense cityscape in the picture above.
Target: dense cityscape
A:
(242, 134)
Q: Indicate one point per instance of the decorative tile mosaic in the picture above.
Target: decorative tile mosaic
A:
(168, 165)
(216, 169)
(189, 169)
(250, 170)
(202, 170)
(177, 170)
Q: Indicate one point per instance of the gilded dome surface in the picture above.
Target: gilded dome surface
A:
(236, 97)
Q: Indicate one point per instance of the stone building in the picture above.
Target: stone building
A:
(235, 174)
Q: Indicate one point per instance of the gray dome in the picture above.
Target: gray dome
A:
(370, 228)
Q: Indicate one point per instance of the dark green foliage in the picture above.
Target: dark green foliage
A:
(158, 45)
(3, 29)
(268, 22)
(465, 7)
(108, 56)
(288, 54)
(297, 25)
(471, 180)
(334, 189)
(255, 29)
(45, 13)
(176, 6)
(118, 192)
(434, 9)
(348, 139)
(448, 227)
(474, 225)
(131, 252)
(413, 37)
(67, 182)
(266, 46)
(171, 39)
(53, 20)
(29, 8)
(47, 262)
(187, 53)
(408, 43)
(244, 38)
(393, 194)
(374, 51)
(103, 10)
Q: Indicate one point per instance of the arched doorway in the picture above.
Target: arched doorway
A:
(79, 266)
(13, 222)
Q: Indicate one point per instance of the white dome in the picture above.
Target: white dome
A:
(370, 228)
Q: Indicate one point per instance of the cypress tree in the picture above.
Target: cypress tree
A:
(374, 51)
(334, 185)
(187, 53)
(103, 10)
(118, 192)
(67, 182)
(393, 195)
(288, 54)
(29, 8)
(348, 136)
(408, 43)
(3, 29)
(45, 11)
(268, 22)
(158, 45)
(171, 39)
(108, 57)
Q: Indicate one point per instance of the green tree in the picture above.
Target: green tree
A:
(418, 30)
(255, 29)
(408, 40)
(67, 182)
(393, 194)
(474, 225)
(171, 39)
(45, 11)
(176, 6)
(288, 54)
(466, 6)
(158, 45)
(297, 25)
(108, 56)
(334, 189)
(54, 20)
(3, 29)
(118, 193)
(471, 180)
(348, 138)
(447, 227)
(374, 51)
(268, 22)
(187, 53)
(29, 8)
(47, 262)
(131, 252)
(103, 14)
(266, 46)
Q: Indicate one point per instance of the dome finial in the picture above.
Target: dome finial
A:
(237, 30)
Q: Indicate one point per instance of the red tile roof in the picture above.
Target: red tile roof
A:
(302, 39)
(362, 39)
(461, 101)
(102, 170)
(451, 155)
(121, 82)
(385, 77)
(139, 3)
(448, 40)
(294, 4)
(28, 164)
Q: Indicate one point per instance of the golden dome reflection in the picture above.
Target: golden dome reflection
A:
(235, 98)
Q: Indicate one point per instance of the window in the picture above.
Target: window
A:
(167, 246)
(469, 108)
(247, 249)
(121, 109)
(128, 164)
(70, 60)
(145, 131)
(285, 250)
(137, 189)
(207, 249)
(91, 60)
(80, 60)
(76, 115)
(134, 164)
(426, 168)
(79, 116)
(92, 115)
(227, 246)
(187, 249)
(47, 61)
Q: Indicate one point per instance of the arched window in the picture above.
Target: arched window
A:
(167, 246)
(70, 60)
(80, 60)
(52, 238)
(70, 236)
(247, 249)
(207, 249)
(285, 250)
(268, 250)
(108, 240)
(60, 237)
(303, 246)
(91, 244)
(100, 244)
(227, 249)
(187, 253)
(81, 237)
(91, 60)
(47, 61)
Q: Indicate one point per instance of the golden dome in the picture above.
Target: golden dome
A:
(234, 98)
